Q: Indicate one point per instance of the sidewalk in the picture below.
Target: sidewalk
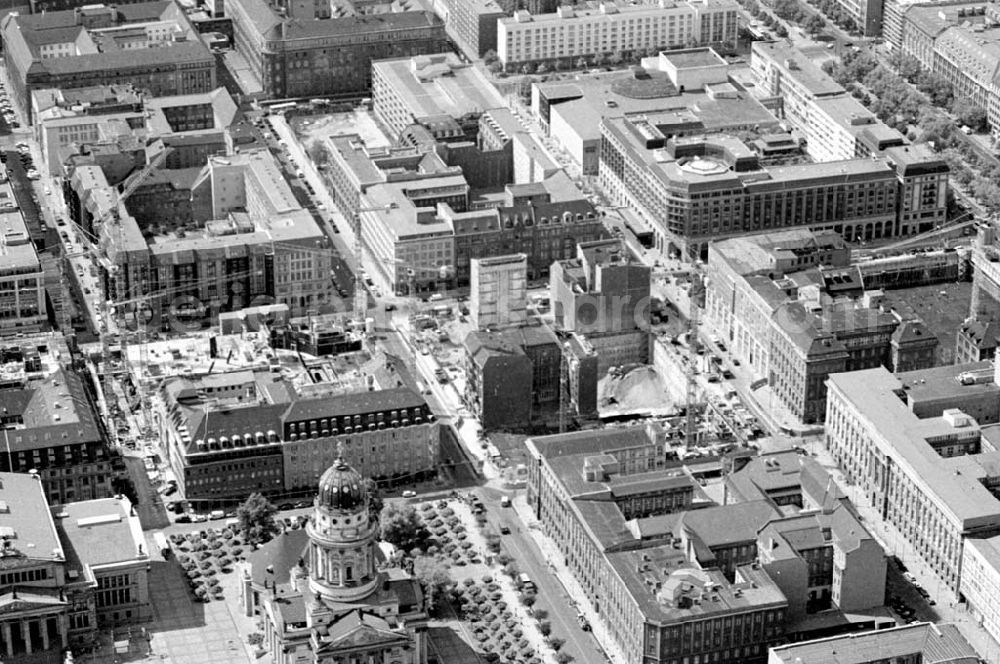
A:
(569, 583)
(948, 608)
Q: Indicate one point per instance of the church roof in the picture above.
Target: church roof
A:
(358, 629)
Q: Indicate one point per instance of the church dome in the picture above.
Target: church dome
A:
(342, 488)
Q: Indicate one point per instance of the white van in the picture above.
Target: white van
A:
(526, 583)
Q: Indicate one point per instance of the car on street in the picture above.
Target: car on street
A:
(302, 503)
(504, 529)
(198, 518)
(216, 515)
(183, 518)
(171, 490)
(286, 506)
(409, 494)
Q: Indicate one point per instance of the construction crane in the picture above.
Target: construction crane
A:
(694, 343)
(90, 248)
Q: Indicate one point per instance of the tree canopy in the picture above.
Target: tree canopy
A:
(256, 517)
(402, 526)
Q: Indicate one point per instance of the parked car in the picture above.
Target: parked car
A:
(198, 518)
(505, 529)
(409, 494)
(171, 490)
(216, 515)
(286, 506)
(183, 518)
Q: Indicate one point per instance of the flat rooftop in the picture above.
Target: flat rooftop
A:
(953, 481)
(17, 252)
(26, 521)
(692, 58)
(438, 84)
(804, 71)
(100, 532)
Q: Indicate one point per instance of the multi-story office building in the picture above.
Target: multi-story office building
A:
(918, 642)
(693, 190)
(299, 50)
(150, 45)
(262, 248)
(669, 580)
(22, 281)
(572, 32)
(232, 434)
(68, 571)
(498, 291)
(913, 443)
(603, 294)
(788, 304)
(424, 88)
(50, 426)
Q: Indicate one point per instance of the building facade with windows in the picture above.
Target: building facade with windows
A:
(914, 443)
(572, 32)
(22, 281)
(498, 291)
(603, 294)
(233, 434)
(325, 592)
(67, 570)
(670, 576)
(308, 53)
(50, 426)
(150, 45)
(425, 88)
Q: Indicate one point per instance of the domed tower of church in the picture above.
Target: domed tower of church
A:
(341, 550)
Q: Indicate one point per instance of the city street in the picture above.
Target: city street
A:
(552, 595)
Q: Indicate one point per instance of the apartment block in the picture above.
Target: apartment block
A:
(671, 575)
(150, 45)
(571, 32)
(473, 23)
(914, 443)
(301, 50)
(498, 291)
(603, 294)
(510, 373)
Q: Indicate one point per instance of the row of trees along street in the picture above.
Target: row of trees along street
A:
(920, 104)
(917, 103)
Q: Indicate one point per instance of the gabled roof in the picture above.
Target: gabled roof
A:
(359, 629)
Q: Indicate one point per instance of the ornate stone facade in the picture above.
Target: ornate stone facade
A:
(324, 591)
